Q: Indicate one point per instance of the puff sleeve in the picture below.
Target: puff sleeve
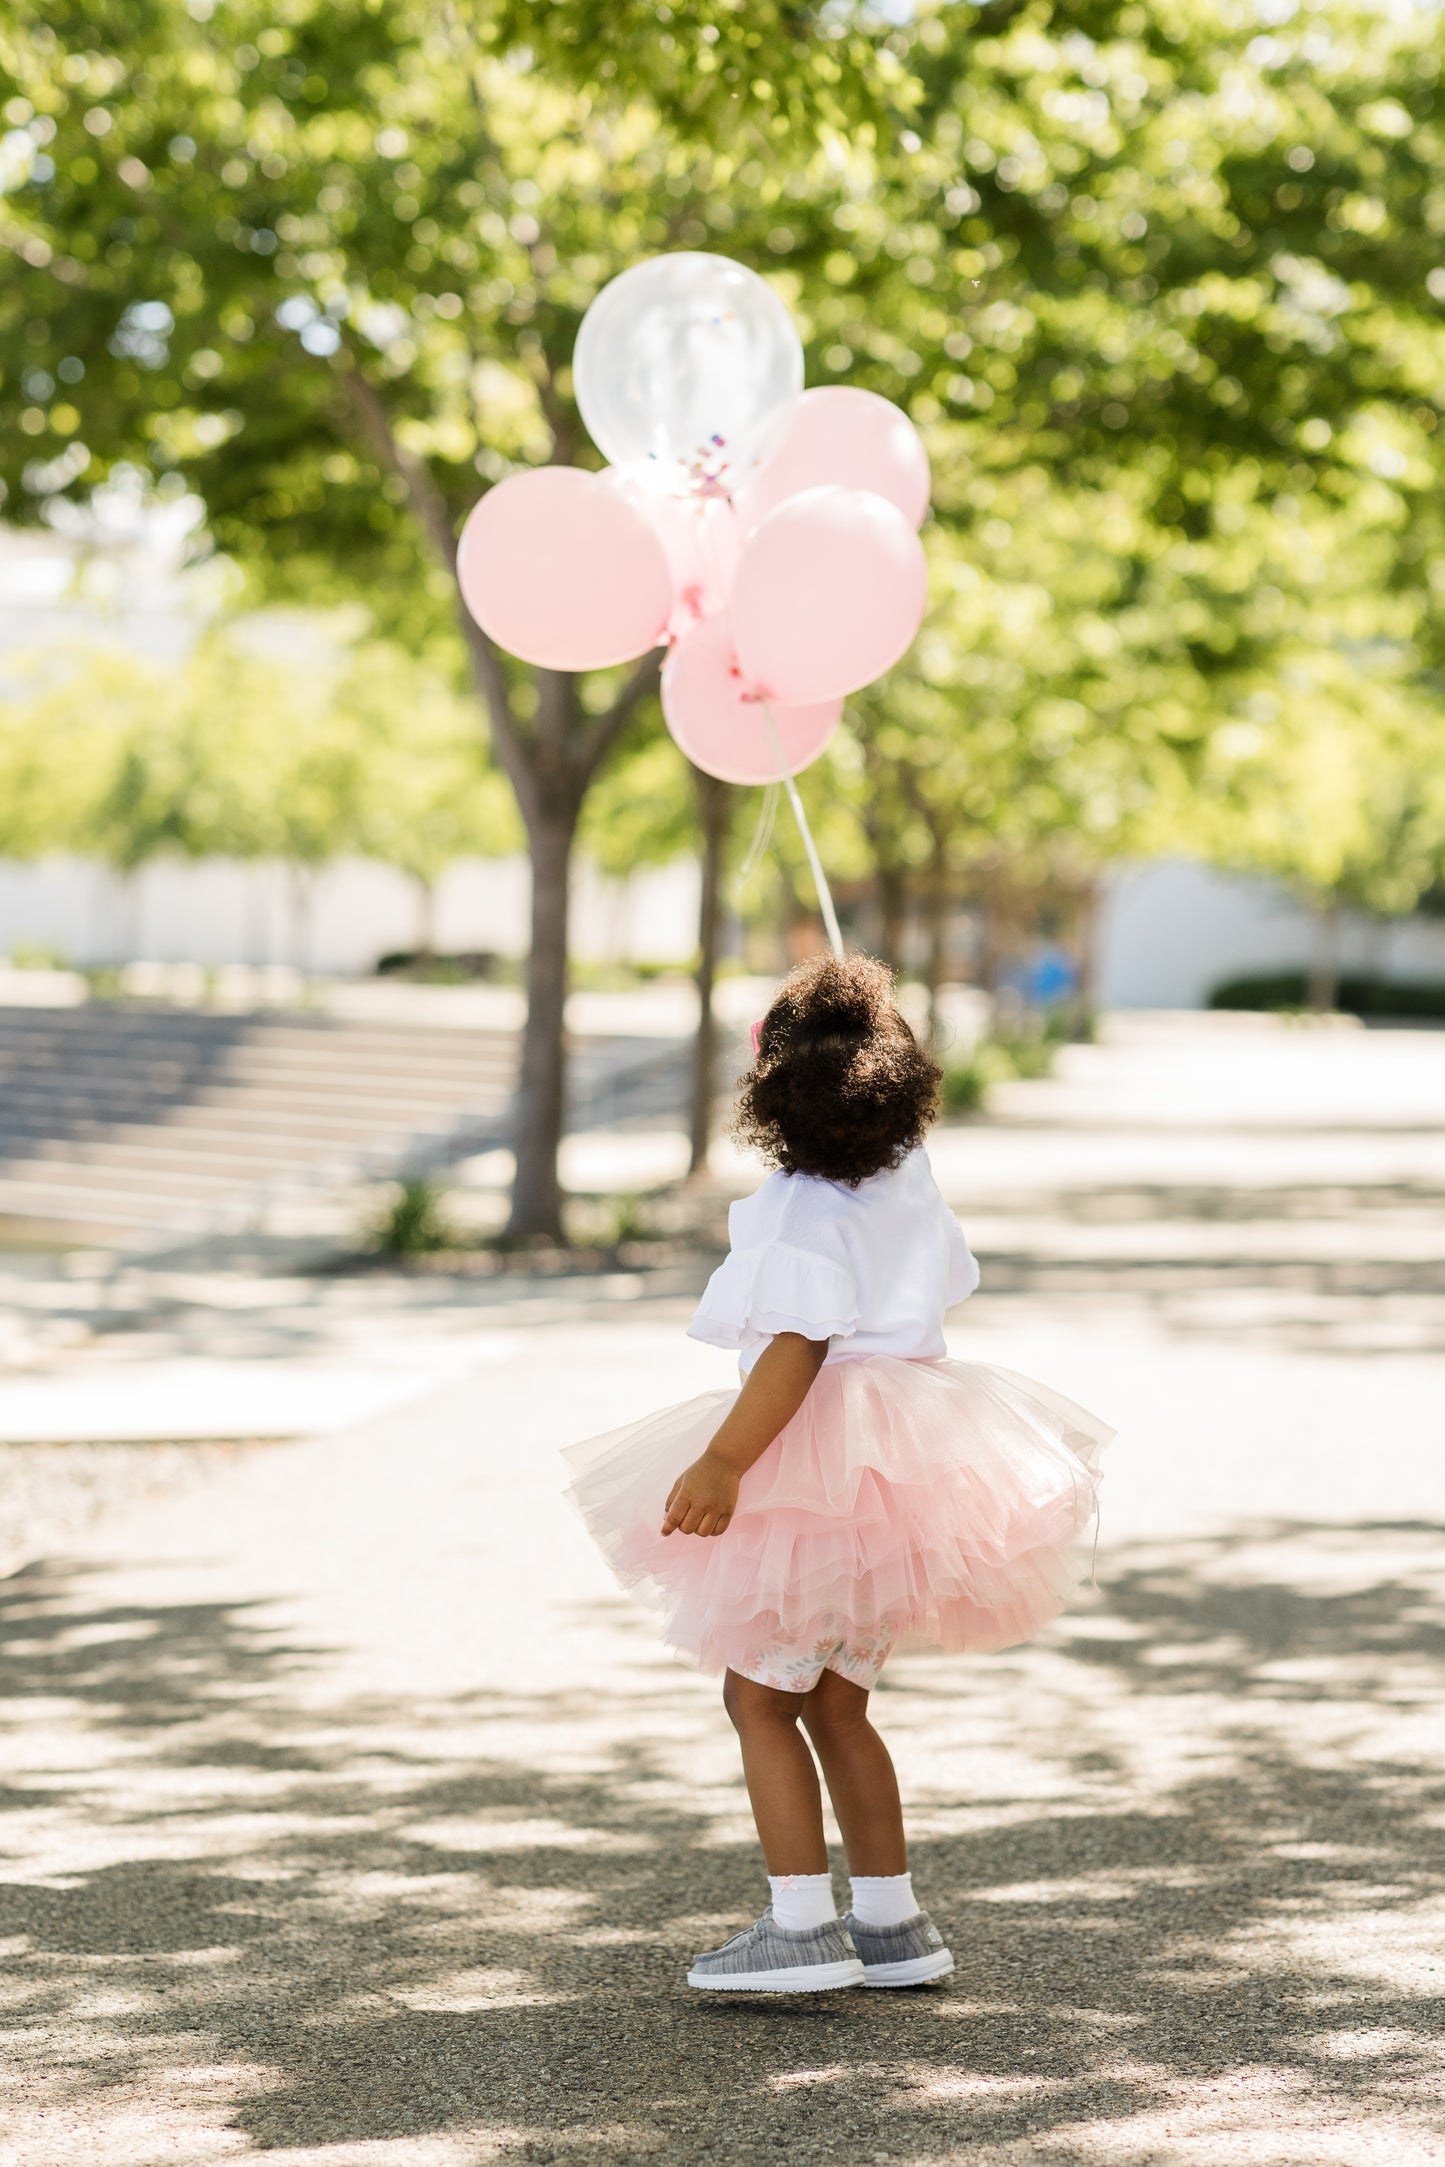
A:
(774, 1286)
(963, 1272)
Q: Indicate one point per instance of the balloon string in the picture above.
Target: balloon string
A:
(762, 836)
(820, 883)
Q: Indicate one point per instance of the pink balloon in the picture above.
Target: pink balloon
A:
(720, 722)
(559, 570)
(701, 540)
(829, 592)
(839, 434)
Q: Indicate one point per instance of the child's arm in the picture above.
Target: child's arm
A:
(702, 1499)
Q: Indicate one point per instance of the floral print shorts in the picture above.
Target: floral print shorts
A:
(795, 1664)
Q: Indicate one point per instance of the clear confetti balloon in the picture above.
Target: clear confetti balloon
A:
(687, 370)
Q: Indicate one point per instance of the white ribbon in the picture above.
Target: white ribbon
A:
(820, 882)
(762, 836)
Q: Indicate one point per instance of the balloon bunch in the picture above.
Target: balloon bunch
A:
(766, 534)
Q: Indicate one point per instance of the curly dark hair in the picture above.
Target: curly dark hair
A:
(840, 1087)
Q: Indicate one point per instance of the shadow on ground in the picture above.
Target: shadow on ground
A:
(375, 1938)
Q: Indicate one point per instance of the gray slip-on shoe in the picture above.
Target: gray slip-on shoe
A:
(912, 1954)
(768, 1959)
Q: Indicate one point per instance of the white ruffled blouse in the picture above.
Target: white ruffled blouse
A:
(871, 1269)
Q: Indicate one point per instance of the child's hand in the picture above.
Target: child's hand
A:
(702, 1500)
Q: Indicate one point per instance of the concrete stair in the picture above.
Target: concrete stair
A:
(148, 1121)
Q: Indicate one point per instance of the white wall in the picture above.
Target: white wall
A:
(221, 912)
(1167, 933)
(1170, 931)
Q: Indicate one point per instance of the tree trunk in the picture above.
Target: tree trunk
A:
(540, 1107)
(1086, 948)
(892, 904)
(303, 901)
(126, 945)
(989, 931)
(1324, 978)
(715, 808)
(936, 912)
(881, 817)
(255, 937)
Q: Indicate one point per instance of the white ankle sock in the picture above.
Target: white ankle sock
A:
(802, 1900)
(883, 1899)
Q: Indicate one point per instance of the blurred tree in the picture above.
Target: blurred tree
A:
(329, 269)
(428, 795)
(238, 753)
(112, 757)
(237, 718)
(1164, 289)
(1054, 716)
(1339, 794)
(48, 754)
(103, 779)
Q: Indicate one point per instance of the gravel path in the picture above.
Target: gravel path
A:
(353, 1820)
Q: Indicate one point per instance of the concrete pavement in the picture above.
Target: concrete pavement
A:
(353, 1819)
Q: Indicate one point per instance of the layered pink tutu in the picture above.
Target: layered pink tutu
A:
(932, 1501)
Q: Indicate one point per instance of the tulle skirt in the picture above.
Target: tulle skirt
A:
(934, 1502)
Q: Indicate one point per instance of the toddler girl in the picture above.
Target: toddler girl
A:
(860, 1489)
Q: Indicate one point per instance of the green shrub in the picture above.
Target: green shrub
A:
(966, 1084)
(628, 1220)
(467, 967)
(1026, 1051)
(1016, 1051)
(1274, 990)
(414, 1223)
(1285, 990)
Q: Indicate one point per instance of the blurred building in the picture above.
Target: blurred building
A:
(1170, 932)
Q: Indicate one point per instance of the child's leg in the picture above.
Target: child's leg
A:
(860, 1776)
(782, 1781)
